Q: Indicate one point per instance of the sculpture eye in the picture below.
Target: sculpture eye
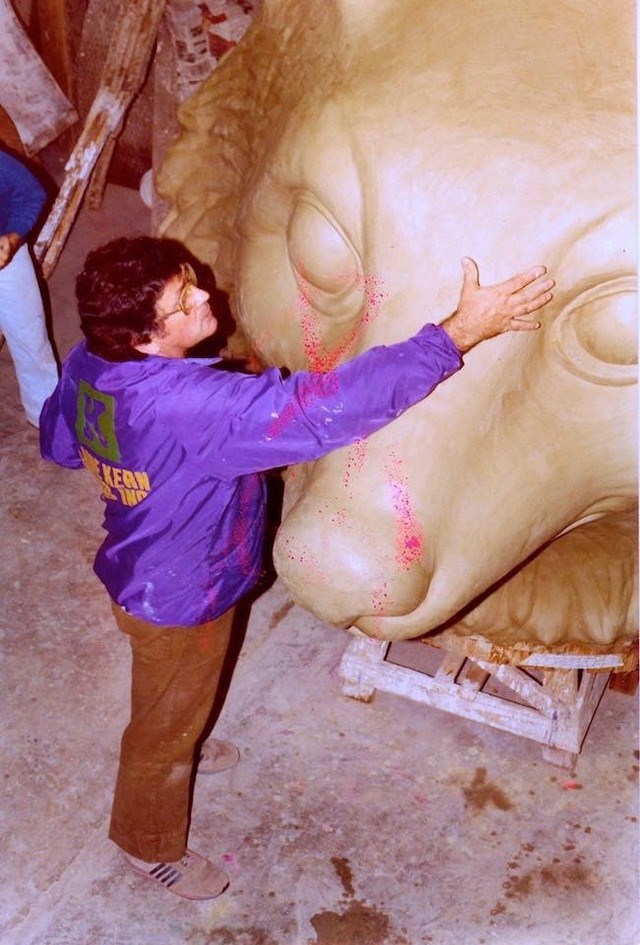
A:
(596, 337)
(326, 266)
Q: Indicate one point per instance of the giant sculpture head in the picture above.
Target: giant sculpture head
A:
(333, 172)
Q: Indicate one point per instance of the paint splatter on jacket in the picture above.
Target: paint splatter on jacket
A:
(178, 446)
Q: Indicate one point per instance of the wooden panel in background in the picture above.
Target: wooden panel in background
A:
(56, 26)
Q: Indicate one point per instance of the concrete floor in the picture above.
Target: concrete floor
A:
(344, 824)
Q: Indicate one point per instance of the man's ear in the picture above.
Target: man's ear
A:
(149, 347)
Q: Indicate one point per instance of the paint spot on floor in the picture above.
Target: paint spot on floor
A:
(280, 614)
(564, 877)
(229, 936)
(482, 792)
(557, 882)
(342, 868)
(360, 923)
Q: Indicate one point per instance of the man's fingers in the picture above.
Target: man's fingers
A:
(520, 324)
(533, 290)
(535, 287)
(532, 304)
(522, 279)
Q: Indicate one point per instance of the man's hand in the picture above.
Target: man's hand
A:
(9, 244)
(486, 311)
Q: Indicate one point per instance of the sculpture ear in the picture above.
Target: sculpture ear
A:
(350, 12)
(202, 173)
(596, 336)
(356, 6)
(232, 122)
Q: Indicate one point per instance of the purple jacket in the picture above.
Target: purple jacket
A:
(177, 446)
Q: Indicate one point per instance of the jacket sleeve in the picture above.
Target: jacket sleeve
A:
(23, 196)
(58, 441)
(248, 424)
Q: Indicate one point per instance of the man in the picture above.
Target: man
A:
(178, 445)
(22, 321)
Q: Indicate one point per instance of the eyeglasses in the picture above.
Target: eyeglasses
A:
(185, 305)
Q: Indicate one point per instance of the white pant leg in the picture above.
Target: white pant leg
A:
(23, 325)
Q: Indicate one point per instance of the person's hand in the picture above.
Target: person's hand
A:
(9, 243)
(486, 311)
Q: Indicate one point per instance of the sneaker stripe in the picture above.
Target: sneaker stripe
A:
(193, 876)
(165, 873)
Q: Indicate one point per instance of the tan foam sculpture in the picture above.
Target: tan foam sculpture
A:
(333, 171)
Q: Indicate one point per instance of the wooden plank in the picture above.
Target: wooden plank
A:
(591, 691)
(166, 127)
(530, 690)
(562, 685)
(123, 74)
(96, 188)
(9, 133)
(559, 757)
(358, 664)
(624, 682)
(56, 27)
(474, 677)
(573, 660)
(28, 92)
(623, 654)
(450, 666)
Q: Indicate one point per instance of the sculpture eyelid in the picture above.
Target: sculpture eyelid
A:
(322, 256)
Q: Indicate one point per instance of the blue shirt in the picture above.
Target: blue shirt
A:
(22, 197)
(178, 446)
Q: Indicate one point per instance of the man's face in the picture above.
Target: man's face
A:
(185, 315)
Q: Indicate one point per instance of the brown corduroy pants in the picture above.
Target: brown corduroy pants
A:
(174, 680)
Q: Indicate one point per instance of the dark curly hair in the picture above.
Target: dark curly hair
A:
(117, 291)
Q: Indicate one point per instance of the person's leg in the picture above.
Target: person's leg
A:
(23, 325)
(175, 675)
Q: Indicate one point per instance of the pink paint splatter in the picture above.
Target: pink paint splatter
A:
(319, 357)
(379, 599)
(242, 530)
(355, 463)
(374, 295)
(409, 538)
(296, 551)
(339, 518)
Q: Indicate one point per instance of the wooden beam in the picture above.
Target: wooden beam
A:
(28, 92)
(124, 70)
(56, 27)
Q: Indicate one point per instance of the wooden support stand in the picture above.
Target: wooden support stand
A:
(549, 698)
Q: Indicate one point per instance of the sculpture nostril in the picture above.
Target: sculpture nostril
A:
(341, 575)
